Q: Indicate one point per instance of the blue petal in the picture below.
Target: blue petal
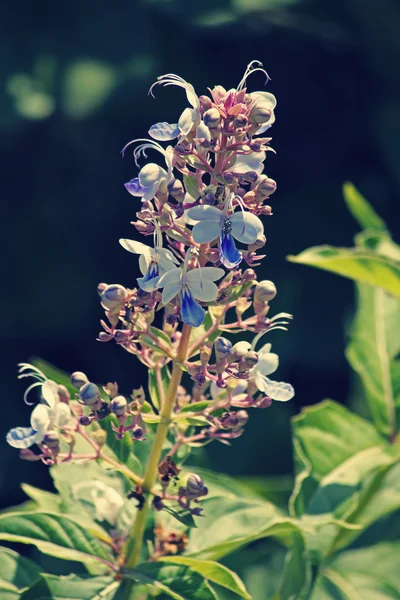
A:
(164, 132)
(229, 255)
(191, 312)
(150, 279)
(135, 188)
(21, 437)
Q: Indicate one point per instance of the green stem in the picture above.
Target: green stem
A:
(136, 538)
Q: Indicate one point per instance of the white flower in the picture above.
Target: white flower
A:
(107, 501)
(190, 117)
(249, 162)
(197, 284)
(45, 416)
(214, 223)
(267, 364)
(152, 177)
(153, 263)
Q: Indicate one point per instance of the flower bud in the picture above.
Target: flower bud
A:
(52, 440)
(264, 292)
(261, 113)
(113, 296)
(210, 199)
(63, 394)
(248, 361)
(266, 186)
(27, 454)
(212, 118)
(259, 243)
(137, 433)
(223, 348)
(101, 287)
(85, 421)
(195, 487)
(118, 406)
(205, 103)
(78, 379)
(89, 394)
(240, 121)
(248, 177)
(242, 417)
(255, 145)
(239, 350)
(249, 275)
(99, 436)
(175, 188)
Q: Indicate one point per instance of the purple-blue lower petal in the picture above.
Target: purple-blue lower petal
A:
(153, 272)
(135, 188)
(191, 312)
(229, 255)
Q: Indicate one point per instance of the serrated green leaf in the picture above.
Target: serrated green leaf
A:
(214, 572)
(53, 534)
(354, 263)
(72, 587)
(156, 394)
(16, 573)
(177, 581)
(361, 210)
(192, 186)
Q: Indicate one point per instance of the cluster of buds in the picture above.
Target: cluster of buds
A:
(202, 213)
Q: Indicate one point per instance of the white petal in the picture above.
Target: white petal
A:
(40, 417)
(202, 289)
(205, 213)
(144, 263)
(249, 162)
(21, 437)
(202, 132)
(62, 415)
(151, 174)
(151, 191)
(277, 390)
(210, 273)
(266, 349)
(171, 276)
(266, 126)
(206, 231)
(187, 120)
(49, 393)
(136, 247)
(246, 227)
(164, 132)
(166, 254)
(170, 291)
(267, 363)
(264, 97)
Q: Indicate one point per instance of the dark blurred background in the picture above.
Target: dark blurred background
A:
(74, 90)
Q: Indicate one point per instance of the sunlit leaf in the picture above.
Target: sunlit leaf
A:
(353, 263)
(176, 581)
(16, 573)
(361, 210)
(72, 587)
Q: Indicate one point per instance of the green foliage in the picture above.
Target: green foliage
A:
(72, 587)
(16, 574)
(157, 392)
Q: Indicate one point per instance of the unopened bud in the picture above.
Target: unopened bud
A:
(176, 189)
(259, 243)
(248, 177)
(113, 296)
(118, 406)
(223, 348)
(63, 394)
(240, 121)
(89, 394)
(137, 433)
(52, 440)
(210, 199)
(266, 186)
(242, 417)
(249, 275)
(212, 118)
(78, 379)
(205, 103)
(239, 350)
(99, 436)
(205, 353)
(255, 146)
(195, 486)
(101, 287)
(27, 454)
(261, 113)
(249, 360)
(264, 292)
(85, 421)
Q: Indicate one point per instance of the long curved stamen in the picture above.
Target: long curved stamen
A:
(34, 371)
(36, 384)
(252, 69)
(171, 79)
(148, 144)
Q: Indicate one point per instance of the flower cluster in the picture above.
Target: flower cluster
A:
(201, 212)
